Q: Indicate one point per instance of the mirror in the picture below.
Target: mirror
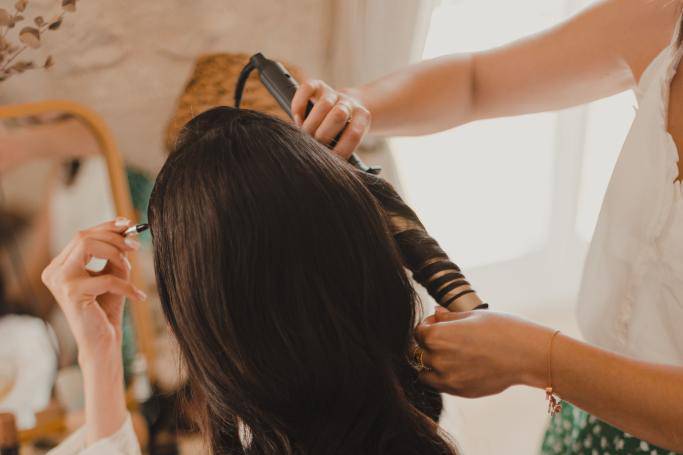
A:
(59, 172)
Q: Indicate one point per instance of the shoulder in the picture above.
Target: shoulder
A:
(641, 29)
(628, 33)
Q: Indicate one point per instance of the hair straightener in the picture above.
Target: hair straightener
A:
(282, 85)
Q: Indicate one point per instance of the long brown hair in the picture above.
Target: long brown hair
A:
(281, 281)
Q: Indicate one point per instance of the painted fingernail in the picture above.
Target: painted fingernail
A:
(141, 295)
(127, 262)
(121, 221)
(132, 243)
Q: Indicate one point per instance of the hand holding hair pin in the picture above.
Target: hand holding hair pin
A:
(137, 229)
(97, 264)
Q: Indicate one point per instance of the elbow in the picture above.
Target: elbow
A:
(473, 111)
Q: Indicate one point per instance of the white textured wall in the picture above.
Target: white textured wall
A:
(129, 59)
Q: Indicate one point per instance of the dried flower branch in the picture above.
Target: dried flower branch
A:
(29, 37)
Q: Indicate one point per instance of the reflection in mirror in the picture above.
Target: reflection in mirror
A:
(55, 179)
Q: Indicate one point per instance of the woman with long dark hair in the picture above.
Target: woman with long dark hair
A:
(278, 273)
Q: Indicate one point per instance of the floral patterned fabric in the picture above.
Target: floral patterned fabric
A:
(575, 432)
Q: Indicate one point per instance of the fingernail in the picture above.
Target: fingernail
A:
(141, 295)
(127, 262)
(134, 244)
(297, 119)
(121, 221)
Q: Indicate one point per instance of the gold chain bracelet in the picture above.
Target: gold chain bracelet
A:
(554, 400)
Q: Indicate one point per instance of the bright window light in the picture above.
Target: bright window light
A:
(484, 189)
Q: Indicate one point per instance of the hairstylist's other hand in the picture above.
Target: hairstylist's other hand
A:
(93, 302)
(480, 353)
(333, 111)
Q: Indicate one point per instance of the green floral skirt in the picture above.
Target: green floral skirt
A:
(575, 432)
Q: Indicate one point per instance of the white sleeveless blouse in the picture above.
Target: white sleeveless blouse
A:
(631, 299)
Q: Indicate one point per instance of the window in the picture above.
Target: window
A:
(513, 200)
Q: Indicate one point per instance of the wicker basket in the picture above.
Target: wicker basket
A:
(213, 84)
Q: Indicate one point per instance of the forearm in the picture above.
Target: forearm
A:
(427, 97)
(643, 399)
(599, 52)
(105, 402)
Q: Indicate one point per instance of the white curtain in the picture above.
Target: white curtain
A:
(371, 38)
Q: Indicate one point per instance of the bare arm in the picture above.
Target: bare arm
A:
(93, 306)
(643, 399)
(601, 51)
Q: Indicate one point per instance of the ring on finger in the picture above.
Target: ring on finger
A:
(418, 358)
(347, 108)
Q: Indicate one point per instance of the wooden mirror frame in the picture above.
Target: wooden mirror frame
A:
(142, 318)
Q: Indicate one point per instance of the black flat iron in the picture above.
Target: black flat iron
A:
(282, 86)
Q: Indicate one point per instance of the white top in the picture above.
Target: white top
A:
(27, 367)
(123, 442)
(88, 201)
(631, 300)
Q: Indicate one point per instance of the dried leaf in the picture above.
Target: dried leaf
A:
(20, 5)
(69, 5)
(5, 18)
(21, 66)
(39, 21)
(30, 36)
(49, 62)
(56, 24)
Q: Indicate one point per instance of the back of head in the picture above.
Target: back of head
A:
(285, 291)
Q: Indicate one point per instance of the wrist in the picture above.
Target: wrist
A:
(352, 92)
(535, 371)
(105, 399)
(357, 95)
(104, 361)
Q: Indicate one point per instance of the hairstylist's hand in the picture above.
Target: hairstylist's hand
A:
(93, 302)
(482, 353)
(333, 111)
